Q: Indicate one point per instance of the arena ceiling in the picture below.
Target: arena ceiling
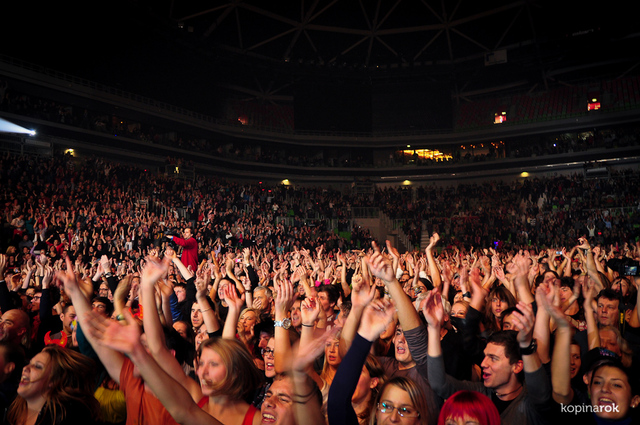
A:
(258, 49)
(448, 41)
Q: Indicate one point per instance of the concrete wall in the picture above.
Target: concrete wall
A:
(378, 231)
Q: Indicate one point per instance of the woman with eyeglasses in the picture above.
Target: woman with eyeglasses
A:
(399, 400)
(269, 372)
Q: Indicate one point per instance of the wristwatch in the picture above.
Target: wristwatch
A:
(285, 324)
(530, 349)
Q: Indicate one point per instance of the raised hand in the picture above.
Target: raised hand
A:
(361, 292)
(524, 323)
(284, 298)
(69, 280)
(111, 334)
(433, 309)
(380, 266)
(583, 243)
(309, 311)
(547, 299)
(376, 318)
(153, 270)
(230, 296)
(433, 240)
(307, 353)
(392, 250)
(48, 277)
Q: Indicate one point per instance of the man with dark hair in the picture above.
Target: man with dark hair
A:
(102, 305)
(506, 320)
(189, 248)
(512, 373)
(328, 296)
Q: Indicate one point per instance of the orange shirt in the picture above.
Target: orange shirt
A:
(143, 408)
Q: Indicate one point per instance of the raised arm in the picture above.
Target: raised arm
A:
(232, 277)
(524, 323)
(561, 361)
(307, 407)
(283, 302)
(184, 271)
(126, 339)
(521, 270)
(362, 295)
(382, 268)
(111, 359)
(235, 304)
(593, 335)
(346, 290)
(434, 271)
(376, 317)
(208, 314)
(542, 328)
(152, 272)
(592, 270)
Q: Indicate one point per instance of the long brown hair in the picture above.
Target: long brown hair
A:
(375, 370)
(242, 377)
(71, 379)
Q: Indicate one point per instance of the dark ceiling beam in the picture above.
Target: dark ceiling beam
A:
(304, 19)
(429, 43)
(348, 49)
(506, 31)
(268, 14)
(217, 22)
(270, 39)
(204, 12)
(237, 13)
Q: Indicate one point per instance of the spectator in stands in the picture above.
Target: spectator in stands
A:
(189, 248)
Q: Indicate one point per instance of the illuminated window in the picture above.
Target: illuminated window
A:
(500, 117)
(427, 154)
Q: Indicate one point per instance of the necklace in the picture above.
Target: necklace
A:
(506, 394)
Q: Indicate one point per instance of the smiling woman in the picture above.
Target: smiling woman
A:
(56, 388)
(614, 393)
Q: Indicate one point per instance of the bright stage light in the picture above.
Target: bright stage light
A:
(9, 127)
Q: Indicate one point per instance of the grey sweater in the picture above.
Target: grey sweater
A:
(527, 409)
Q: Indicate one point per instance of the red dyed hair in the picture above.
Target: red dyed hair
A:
(472, 404)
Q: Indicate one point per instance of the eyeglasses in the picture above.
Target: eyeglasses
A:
(404, 412)
(266, 351)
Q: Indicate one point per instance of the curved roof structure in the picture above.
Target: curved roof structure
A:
(193, 51)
